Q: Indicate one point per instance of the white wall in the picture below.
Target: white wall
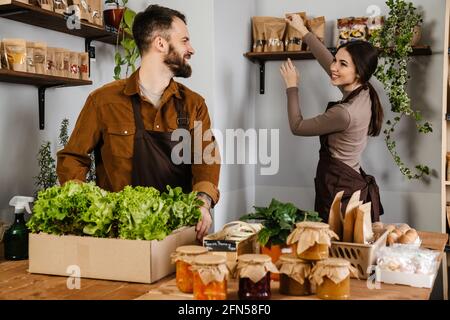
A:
(414, 202)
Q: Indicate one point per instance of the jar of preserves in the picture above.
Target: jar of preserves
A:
(253, 271)
(210, 277)
(294, 275)
(311, 240)
(183, 258)
(332, 278)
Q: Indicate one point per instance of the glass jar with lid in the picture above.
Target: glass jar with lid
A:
(294, 275)
(311, 240)
(332, 278)
(253, 272)
(183, 258)
(210, 277)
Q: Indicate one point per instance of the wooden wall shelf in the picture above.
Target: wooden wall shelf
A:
(42, 82)
(262, 57)
(29, 14)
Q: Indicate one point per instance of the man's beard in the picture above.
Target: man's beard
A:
(176, 64)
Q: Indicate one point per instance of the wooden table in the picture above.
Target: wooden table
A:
(17, 284)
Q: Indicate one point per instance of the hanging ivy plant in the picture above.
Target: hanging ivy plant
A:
(394, 41)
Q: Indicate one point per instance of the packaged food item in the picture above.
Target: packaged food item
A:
(66, 63)
(259, 39)
(312, 240)
(50, 65)
(294, 275)
(59, 62)
(16, 54)
(344, 27)
(44, 4)
(407, 259)
(374, 26)
(398, 233)
(210, 277)
(30, 57)
(253, 271)
(97, 11)
(317, 27)
(274, 33)
(74, 65)
(84, 66)
(40, 54)
(358, 29)
(293, 41)
(84, 9)
(60, 6)
(183, 258)
(332, 278)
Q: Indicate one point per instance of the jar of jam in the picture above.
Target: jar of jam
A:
(183, 258)
(311, 240)
(210, 277)
(294, 275)
(253, 271)
(332, 278)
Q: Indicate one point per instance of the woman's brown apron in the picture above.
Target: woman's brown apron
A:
(152, 163)
(333, 176)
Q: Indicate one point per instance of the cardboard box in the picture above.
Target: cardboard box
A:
(109, 259)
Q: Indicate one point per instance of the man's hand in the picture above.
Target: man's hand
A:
(204, 224)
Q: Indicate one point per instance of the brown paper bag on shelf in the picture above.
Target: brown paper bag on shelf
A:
(259, 39)
(66, 60)
(84, 9)
(293, 41)
(74, 65)
(274, 33)
(60, 6)
(50, 65)
(84, 66)
(317, 27)
(15, 51)
(96, 11)
(59, 62)
(40, 55)
(43, 4)
(30, 57)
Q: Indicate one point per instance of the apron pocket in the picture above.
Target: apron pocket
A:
(121, 140)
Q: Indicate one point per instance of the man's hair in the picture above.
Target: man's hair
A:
(154, 21)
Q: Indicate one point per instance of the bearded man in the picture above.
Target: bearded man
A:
(128, 123)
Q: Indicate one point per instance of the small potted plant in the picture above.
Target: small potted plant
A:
(113, 13)
(278, 222)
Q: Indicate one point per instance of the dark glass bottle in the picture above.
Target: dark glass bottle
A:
(16, 239)
(248, 290)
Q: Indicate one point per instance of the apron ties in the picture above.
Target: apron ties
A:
(333, 176)
(152, 162)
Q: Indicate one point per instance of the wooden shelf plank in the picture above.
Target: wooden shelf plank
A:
(40, 80)
(33, 15)
(306, 55)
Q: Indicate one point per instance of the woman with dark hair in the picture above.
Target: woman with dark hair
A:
(345, 125)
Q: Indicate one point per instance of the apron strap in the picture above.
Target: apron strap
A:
(182, 115)
(136, 102)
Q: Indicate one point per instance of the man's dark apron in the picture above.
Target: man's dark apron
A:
(333, 176)
(152, 163)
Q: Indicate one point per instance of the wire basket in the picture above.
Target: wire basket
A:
(362, 256)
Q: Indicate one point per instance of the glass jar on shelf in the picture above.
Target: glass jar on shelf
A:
(210, 277)
(332, 278)
(311, 240)
(294, 275)
(253, 272)
(183, 258)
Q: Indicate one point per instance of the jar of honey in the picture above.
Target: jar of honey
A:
(294, 275)
(332, 278)
(183, 258)
(311, 240)
(210, 277)
(253, 271)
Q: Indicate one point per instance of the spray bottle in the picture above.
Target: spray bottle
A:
(16, 237)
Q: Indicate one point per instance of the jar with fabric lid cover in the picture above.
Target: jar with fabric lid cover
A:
(183, 258)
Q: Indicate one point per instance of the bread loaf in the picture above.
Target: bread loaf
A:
(409, 237)
(392, 238)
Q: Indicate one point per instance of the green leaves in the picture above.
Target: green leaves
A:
(394, 40)
(134, 213)
(279, 220)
